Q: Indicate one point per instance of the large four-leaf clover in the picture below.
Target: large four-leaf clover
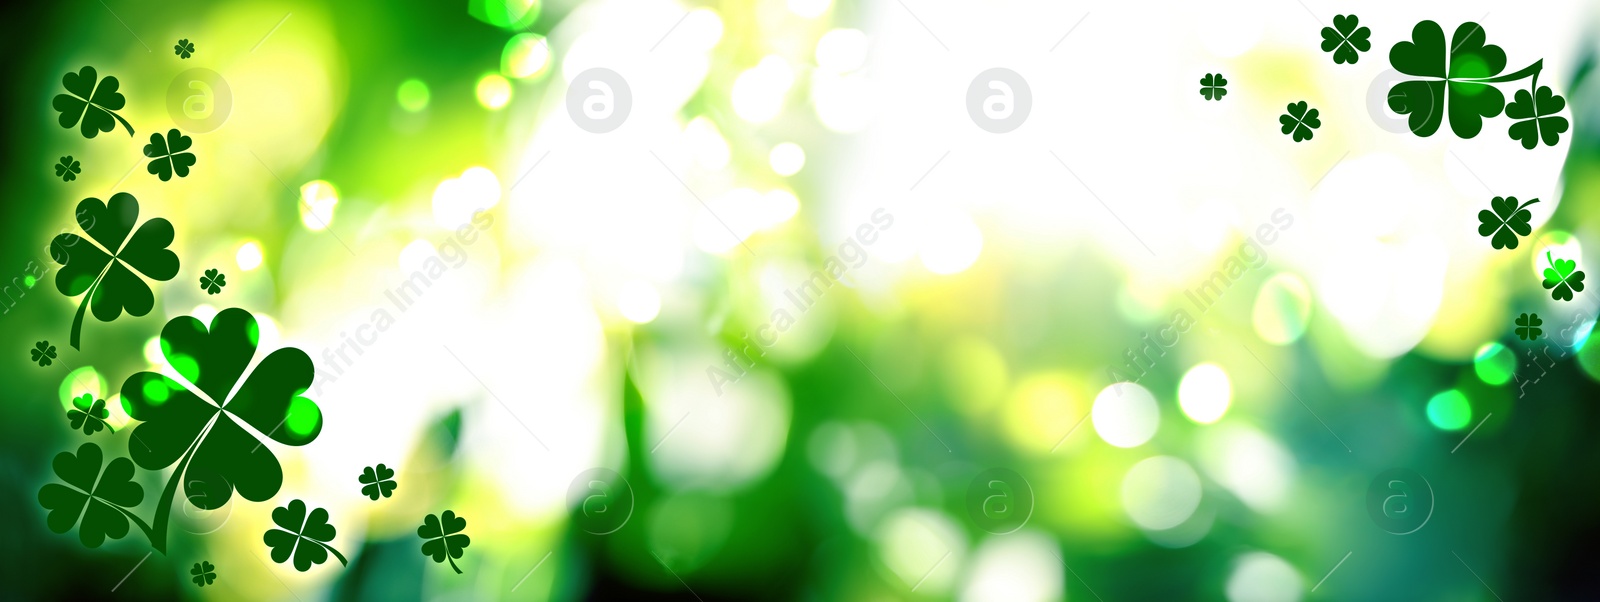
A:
(102, 271)
(1537, 118)
(1347, 42)
(377, 482)
(444, 540)
(197, 424)
(1299, 121)
(1213, 86)
(168, 156)
(1562, 277)
(93, 102)
(1459, 79)
(101, 500)
(1508, 221)
(88, 414)
(303, 536)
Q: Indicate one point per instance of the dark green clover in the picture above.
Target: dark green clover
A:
(102, 501)
(1528, 327)
(68, 169)
(203, 573)
(377, 482)
(101, 269)
(200, 428)
(1508, 221)
(1562, 277)
(1348, 41)
(184, 48)
(1458, 76)
(89, 414)
(300, 535)
(1299, 121)
(168, 155)
(43, 353)
(1536, 115)
(92, 101)
(213, 281)
(443, 540)
(1213, 86)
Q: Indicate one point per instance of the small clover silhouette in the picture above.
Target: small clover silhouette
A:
(203, 573)
(44, 353)
(1528, 327)
(68, 169)
(1348, 41)
(1299, 121)
(93, 102)
(169, 156)
(184, 48)
(1562, 277)
(102, 500)
(377, 482)
(444, 540)
(89, 414)
(213, 281)
(1536, 115)
(1506, 223)
(304, 537)
(1213, 86)
(102, 271)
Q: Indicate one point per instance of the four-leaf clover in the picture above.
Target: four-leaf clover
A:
(1347, 42)
(183, 48)
(88, 414)
(68, 169)
(1213, 86)
(43, 352)
(1562, 276)
(1528, 327)
(213, 281)
(93, 101)
(102, 271)
(169, 155)
(203, 573)
(1508, 221)
(444, 540)
(1537, 117)
(378, 482)
(1299, 121)
(1459, 75)
(304, 537)
(101, 500)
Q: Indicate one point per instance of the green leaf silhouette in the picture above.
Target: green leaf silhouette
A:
(1459, 76)
(101, 500)
(203, 573)
(184, 48)
(1299, 121)
(1348, 41)
(68, 169)
(1537, 117)
(92, 101)
(168, 155)
(443, 540)
(1508, 221)
(101, 269)
(1528, 327)
(43, 352)
(89, 414)
(1562, 277)
(1213, 86)
(301, 536)
(377, 482)
(213, 281)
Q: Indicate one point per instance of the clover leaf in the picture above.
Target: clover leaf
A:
(93, 101)
(1506, 223)
(1528, 327)
(1563, 277)
(1347, 42)
(68, 169)
(1213, 86)
(203, 573)
(377, 482)
(88, 414)
(101, 500)
(184, 48)
(1299, 121)
(443, 540)
(1537, 117)
(305, 537)
(168, 155)
(197, 425)
(43, 352)
(102, 271)
(213, 281)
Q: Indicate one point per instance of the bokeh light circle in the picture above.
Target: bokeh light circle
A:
(1263, 577)
(1449, 410)
(1160, 492)
(1494, 363)
(1125, 415)
(413, 95)
(493, 91)
(1205, 393)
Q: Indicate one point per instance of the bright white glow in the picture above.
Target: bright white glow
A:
(249, 256)
(1019, 566)
(317, 201)
(787, 159)
(1249, 463)
(152, 351)
(494, 91)
(810, 9)
(639, 302)
(701, 29)
(778, 206)
(949, 243)
(455, 200)
(1263, 577)
(1125, 415)
(843, 103)
(204, 313)
(1160, 492)
(912, 541)
(1204, 393)
(706, 143)
(414, 253)
(842, 50)
(526, 55)
(759, 92)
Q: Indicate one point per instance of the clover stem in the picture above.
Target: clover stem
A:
(158, 534)
(124, 122)
(451, 561)
(148, 534)
(1533, 70)
(1525, 205)
(335, 553)
(77, 322)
